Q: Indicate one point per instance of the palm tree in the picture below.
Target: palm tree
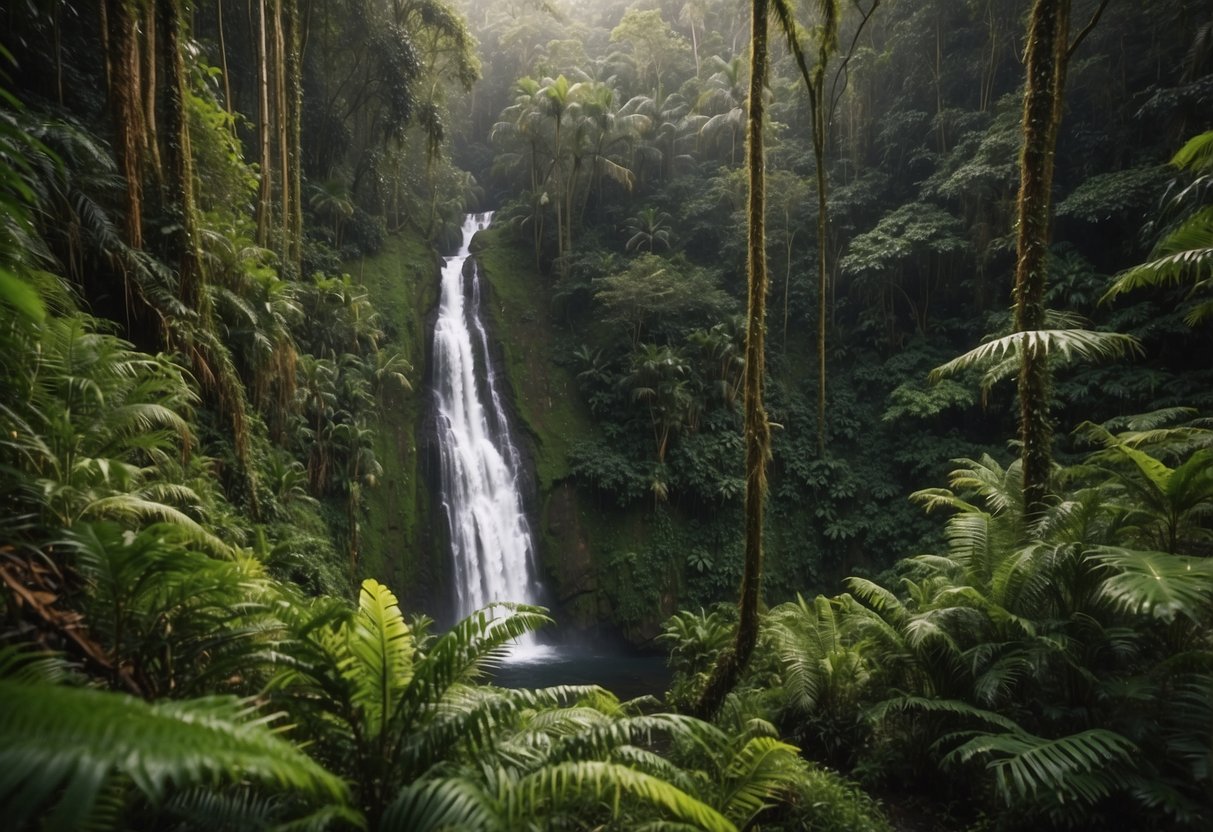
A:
(647, 228)
(720, 108)
(658, 378)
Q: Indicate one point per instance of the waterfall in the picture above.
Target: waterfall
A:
(491, 544)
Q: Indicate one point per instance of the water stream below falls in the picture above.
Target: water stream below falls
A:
(491, 545)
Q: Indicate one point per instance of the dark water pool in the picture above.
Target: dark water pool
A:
(625, 676)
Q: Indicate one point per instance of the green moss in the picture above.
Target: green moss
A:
(396, 543)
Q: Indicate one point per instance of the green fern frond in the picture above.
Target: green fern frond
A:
(444, 805)
(61, 745)
(758, 772)
(552, 787)
(878, 597)
(25, 664)
(953, 707)
(1065, 344)
(461, 654)
(381, 651)
(1083, 766)
(601, 739)
(1196, 154)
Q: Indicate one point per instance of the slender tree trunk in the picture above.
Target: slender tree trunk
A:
(149, 94)
(227, 82)
(282, 129)
(1048, 35)
(294, 111)
(819, 140)
(732, 662)
(124, 100)
(209, 362)
(179, 156)
(265, 157)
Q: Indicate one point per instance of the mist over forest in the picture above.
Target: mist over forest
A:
(534, 414)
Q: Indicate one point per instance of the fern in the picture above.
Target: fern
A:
(62, 746)
(555, 786)
(381, 654)
(440, 805)
(1083, 766)
(954, 707)
(1065, 344)
(756, 772)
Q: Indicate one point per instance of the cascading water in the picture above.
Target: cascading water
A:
(490, 540)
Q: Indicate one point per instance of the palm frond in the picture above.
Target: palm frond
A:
(1156, 583)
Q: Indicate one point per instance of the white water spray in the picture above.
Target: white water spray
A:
(491, 542)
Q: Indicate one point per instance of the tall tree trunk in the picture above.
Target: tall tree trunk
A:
(265, 157)
(1048, 36)
(227, 82)
(819, 141)
(179, 155)
(732, 662)
(124, 100)
(149, 93)
(294, 112)
(282, 128)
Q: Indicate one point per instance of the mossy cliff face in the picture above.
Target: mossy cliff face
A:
(401, 544)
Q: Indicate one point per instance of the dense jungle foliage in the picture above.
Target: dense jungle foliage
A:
(945, 538)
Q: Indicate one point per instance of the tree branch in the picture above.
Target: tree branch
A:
(835, 93)
(1086, 30)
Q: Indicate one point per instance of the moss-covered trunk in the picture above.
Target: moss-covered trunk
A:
(1046, 70)
(757, 430)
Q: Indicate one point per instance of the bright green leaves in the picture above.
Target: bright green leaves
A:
(380, 662)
